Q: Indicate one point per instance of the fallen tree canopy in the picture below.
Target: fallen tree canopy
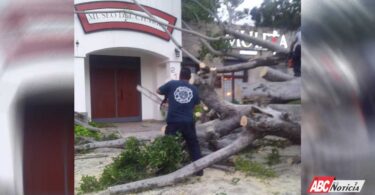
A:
(237, 127)
(186, 171)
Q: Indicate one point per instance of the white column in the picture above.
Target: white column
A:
(79, 85)
(173, 70)
(87, 87)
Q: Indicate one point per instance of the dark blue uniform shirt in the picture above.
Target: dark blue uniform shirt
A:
(182, 98)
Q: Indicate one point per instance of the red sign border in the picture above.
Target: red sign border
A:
(88, 28)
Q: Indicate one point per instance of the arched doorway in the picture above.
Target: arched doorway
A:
(114, 96)
(114, 74)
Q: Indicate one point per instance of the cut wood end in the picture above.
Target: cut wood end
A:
(163, 129)
(263, 72)
(243, 121)
(213, 69)
(192, 79)
(210, 129)
(202, 65)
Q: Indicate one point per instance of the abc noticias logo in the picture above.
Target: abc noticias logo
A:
(325, 184)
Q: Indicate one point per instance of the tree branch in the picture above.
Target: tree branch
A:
(257, 62)
(214, 51)
(274, 75)
(274, 92)
(170, 35)
(242, 142)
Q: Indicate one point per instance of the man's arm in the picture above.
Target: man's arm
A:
(164, 89)
(159, 92)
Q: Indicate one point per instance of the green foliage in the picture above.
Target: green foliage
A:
(89, 184)
(219, 45)
(164, 154)
(198, 109)
(101, 125)
(284, 14)
(139, 161)
(192, 12)
(80, 131)
(253, 168)
(128, 166)
(274, 157)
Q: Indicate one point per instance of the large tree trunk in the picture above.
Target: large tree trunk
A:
(273, 75)
(244, 140)
(273, 92)
(118, 143)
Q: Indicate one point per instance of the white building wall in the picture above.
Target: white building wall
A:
(94, 41)
(79, 85)
(87, 87)
(157, 56)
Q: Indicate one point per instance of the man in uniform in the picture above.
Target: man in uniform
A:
(182, 98)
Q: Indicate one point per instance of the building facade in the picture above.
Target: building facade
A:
(117, 47)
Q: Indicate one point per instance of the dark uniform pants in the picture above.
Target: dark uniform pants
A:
(188, 132)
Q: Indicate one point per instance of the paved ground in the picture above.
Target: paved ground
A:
(145, 129)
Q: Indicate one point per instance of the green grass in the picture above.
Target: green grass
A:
(252, 168)
(274, 157)
(80, 132)
(101, 125)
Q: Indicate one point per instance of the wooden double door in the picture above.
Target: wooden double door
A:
(114, 97)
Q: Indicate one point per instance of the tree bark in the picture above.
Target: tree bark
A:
(274, 92)
(273, 75)
(257, 62)
(118, 143)
(87, 126)
(278, 124)
(244, 140)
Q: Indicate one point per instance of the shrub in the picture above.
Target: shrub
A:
(139, 161)
(164, 154)
(101, 125)
(80, 131)
(89, 184)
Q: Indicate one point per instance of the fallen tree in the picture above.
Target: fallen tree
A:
(274, 92)
(273, 75)
(236, 126)
(177, 176)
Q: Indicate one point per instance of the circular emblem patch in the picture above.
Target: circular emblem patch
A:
(183, 95)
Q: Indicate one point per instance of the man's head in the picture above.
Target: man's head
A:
(185, 74)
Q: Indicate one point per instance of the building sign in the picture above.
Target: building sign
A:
(251, 49)
(122, 15)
